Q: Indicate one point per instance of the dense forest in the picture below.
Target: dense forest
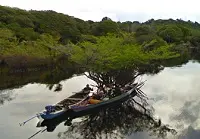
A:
(110, 52)
(36, 38)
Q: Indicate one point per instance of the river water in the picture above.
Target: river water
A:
(173, 92)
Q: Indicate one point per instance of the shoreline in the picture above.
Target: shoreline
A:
(22, 64)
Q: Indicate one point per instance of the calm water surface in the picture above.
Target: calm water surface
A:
(174, 92)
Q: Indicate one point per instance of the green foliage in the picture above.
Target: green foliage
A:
(195, 40)
(171, 34)
(7, 40)
(145, 38)
(129, 38)
(144, 34)
(112, 53)
(69, 28)
(82, 26)
(106, 26)
(153, 44)
(186, 32)
(6, 33)
(89, 38)
(40, 48)
(128, 26)
(98, 45)
(143, 30)
(24, 21)
(23, 33)
(27, 34)
(2, 25)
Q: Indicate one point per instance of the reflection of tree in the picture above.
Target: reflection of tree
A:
(119, 121)
(134, 115)
(112, 77)
(5, 96)
(50, 75)
(58, 87)
(123, 76)
(53, 78)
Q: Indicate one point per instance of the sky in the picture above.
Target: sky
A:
(117, 10)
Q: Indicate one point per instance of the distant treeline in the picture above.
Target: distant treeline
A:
(47, 34)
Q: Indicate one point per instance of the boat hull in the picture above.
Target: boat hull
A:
(108, 103)
(84, 109)
(48, 116)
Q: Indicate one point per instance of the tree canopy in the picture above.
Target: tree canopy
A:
(100, 45)
(111, 52)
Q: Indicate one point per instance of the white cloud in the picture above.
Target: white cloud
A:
(176, 102)
(140, 10)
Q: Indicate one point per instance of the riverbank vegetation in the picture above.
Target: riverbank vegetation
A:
(39, 38)
(113, 53)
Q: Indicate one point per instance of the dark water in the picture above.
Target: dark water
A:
(174, 94)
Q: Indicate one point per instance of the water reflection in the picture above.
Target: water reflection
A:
(117, 121)
(29, 100)
(50, 77)
(58, 87)
(175, 91)
(190, 133)
(6, 95)
(15, 78)
(11, 79)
